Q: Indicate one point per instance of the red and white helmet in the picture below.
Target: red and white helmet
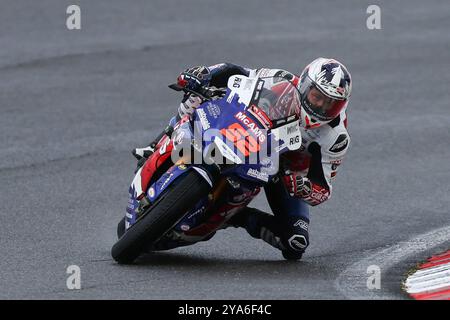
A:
(325, 86)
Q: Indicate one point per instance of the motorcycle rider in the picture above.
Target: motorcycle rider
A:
(325, 87)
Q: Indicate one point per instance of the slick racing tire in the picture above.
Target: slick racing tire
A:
(121, 228)
(165, 213)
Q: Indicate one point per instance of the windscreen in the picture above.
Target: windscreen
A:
(277, 97)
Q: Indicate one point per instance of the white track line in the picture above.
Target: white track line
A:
(352, 282)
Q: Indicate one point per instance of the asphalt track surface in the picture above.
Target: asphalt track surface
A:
(74, 103)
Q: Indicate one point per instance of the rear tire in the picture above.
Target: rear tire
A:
(161, 217)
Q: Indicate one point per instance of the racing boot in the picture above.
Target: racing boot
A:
(288, 237)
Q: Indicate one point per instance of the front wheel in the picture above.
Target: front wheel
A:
(179, 197)
(121, 228)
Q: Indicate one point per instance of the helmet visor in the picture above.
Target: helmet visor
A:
(319, 105)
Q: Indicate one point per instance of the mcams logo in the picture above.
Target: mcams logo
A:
(250, 124)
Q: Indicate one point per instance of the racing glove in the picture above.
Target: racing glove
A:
(302, 187)
(297, 185)
(194, 78)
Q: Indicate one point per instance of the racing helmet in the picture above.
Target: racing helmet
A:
(325, 86)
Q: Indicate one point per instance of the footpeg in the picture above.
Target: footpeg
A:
(144, 204)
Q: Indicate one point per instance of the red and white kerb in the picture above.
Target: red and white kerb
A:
(432, 280)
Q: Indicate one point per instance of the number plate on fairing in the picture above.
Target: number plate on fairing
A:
(243, 87)
(289, 136)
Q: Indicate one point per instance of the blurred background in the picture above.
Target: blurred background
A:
(73, 103)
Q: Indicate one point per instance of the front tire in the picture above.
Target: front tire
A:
(180, 196)
(292, 256)
(121, 228)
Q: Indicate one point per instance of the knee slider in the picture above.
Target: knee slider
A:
(297, 242)
(297, 238)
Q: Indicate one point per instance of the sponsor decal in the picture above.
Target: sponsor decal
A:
(302, 224)
(340, 144)
(319, 196)
(203, 119)
(213, 110)
(258, 89)
(166, 181)
(243, 141)
(264, 72)
(261, 116)
(337, 161)
(182, 167)
(298, 242)
(226, 151)
(231, 97)
(292, 129)
(163, 148)
(249, 123)
(237, 82)
(258, 175)
(294, 140)
(289, 134)
(185, 227)
(196, 212)
(269, 165)
(151, 192)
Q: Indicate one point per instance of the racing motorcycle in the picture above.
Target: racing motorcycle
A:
(210, 165)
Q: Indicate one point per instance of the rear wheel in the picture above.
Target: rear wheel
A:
(161, 217)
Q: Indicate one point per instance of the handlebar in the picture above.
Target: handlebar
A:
(206, 93)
